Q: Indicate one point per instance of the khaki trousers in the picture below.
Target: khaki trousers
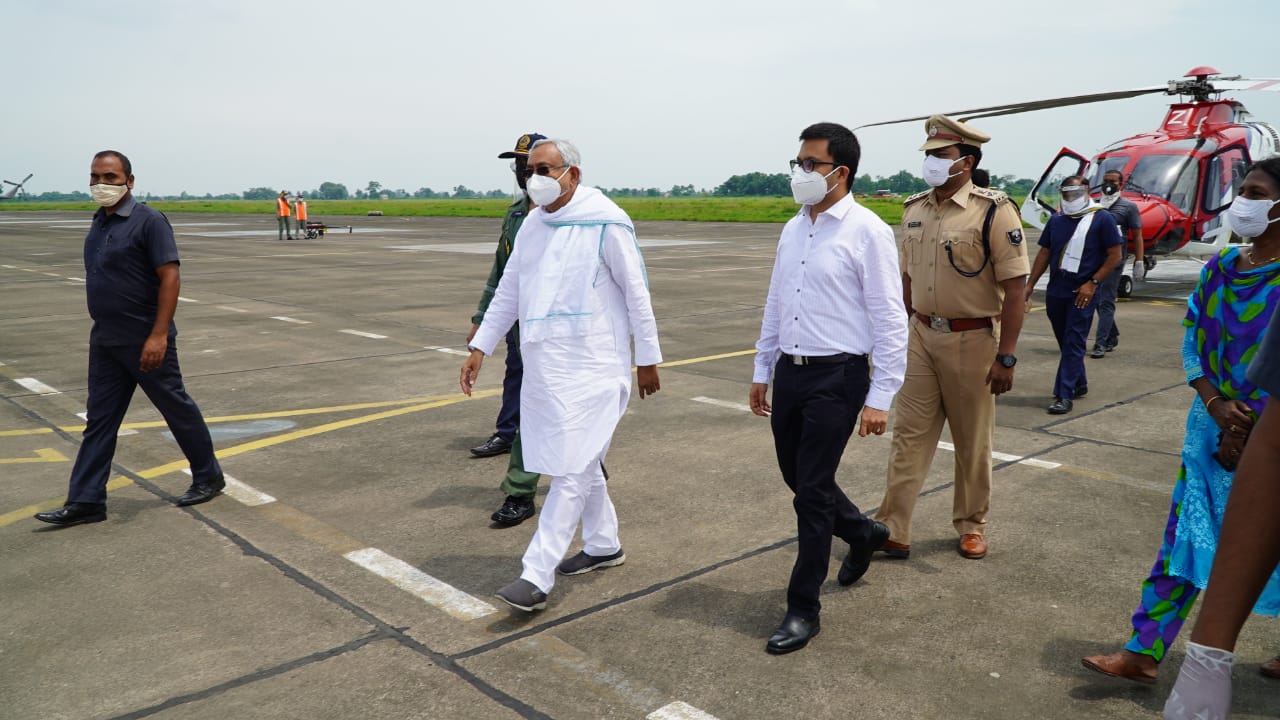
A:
(945, 382)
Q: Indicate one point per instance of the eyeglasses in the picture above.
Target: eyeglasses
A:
(808, 164)
(540, 170)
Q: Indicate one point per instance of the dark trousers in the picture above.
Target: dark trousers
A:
(1071, 328)
(814, 411)
(1107, 333)
(509, 415)
(113, 375)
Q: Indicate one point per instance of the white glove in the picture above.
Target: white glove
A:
(1203, 688)
(1139, 271)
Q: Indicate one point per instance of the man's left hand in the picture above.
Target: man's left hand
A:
(1084, 294)
(874, 421)
(153, 352)
(647, 378)
(1000, 378)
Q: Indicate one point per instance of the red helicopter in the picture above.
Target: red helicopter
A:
(1182, 176)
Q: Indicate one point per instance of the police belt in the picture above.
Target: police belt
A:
(822, 359)
(954, 325)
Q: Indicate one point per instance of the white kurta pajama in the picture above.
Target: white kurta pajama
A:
(577, 284)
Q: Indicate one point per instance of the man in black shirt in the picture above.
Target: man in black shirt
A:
(1107, 335)
(131, 285)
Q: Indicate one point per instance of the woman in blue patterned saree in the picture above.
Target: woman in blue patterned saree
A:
(1227, 314)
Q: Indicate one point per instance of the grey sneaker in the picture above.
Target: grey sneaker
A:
(584, 563)
(523, 595)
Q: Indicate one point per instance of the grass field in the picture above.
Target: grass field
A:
(700, 209)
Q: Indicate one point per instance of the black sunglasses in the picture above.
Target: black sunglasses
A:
(544, 170)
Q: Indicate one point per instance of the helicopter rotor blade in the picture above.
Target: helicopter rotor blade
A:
(1029, 106)
(1250, 84)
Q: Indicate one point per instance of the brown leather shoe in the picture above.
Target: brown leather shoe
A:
(973, 546)
(896, 550)
(1124, 664)
(1271, 668)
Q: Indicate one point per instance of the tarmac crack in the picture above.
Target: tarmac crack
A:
(382, 629)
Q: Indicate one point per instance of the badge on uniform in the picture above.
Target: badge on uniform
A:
(1015, 237)
(915, 224)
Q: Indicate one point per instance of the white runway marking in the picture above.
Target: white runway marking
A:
(52, 274)
(36, 386)
(245, 494)
(75, 279)
(679, 711)
(722, 403)
(183, 299)
(412, 580)
(232, 309)
(9, 267)
(449, 350)
(286, 318)
(375, 336)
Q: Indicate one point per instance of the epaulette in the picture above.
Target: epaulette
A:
(995, 196)
(915, 197)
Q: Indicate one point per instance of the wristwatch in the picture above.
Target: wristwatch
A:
(1006, 360)
(1095, 281)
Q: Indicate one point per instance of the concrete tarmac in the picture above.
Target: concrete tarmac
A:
(349, 572)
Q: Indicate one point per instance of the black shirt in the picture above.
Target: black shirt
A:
(1127, 217)
(121, 254)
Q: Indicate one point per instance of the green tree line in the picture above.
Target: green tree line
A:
(755, 184)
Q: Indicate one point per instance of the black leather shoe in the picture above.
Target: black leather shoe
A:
(493, 446)
(200, 493)
(74, 514)
(1060, 406)
(859, 558)
(514, 511)
(794, 633)
(1098, 352)
(1081, 391)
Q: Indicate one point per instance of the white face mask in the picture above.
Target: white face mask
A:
(544, 190)
(1249, 217)
(937, 170)
(808, 188)
(107, 195)
(1076, 206)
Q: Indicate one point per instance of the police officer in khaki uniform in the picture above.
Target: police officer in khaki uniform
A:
(964, 268)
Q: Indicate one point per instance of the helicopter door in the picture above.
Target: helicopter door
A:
(1044, 199)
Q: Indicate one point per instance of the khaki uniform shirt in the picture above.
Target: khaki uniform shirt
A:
(937, 287)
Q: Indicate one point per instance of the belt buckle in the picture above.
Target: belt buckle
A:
(799, 360)
(940, 324)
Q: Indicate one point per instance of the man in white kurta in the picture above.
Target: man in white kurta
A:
(577, 285)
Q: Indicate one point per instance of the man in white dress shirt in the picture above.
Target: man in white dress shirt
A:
(834, 299)
(577, 284)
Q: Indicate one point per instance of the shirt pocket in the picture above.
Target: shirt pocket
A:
(913, 247)
(964, 249)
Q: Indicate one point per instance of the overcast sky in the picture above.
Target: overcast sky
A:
(224, 95)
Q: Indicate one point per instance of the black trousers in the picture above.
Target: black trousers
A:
(815, 408)
(113, 376)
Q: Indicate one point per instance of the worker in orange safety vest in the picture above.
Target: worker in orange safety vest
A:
(283, 213)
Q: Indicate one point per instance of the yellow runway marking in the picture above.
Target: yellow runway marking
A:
(43, 455)
(10, 518)
(410, 405)
(250, 416)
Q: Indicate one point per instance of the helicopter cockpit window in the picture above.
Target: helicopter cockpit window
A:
(1223, 174)
(1103, 166)
(1163, 176)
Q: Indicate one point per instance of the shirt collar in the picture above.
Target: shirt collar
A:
(961, 196)
(836, 211)
(126, 206)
